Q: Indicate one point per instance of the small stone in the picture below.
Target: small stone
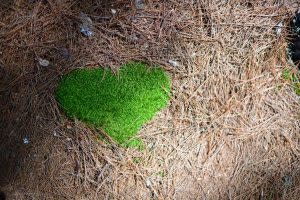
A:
(113, 11)
(86, 25)
(174, 63)
(278, 28)
(25, 140)
(43, 62)
(86, 31)
(194, 55)
(139, 4)
(133, 37)
(148, 183)
(146, 45)
(55, 134)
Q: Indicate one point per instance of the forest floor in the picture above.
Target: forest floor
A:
(231, 130)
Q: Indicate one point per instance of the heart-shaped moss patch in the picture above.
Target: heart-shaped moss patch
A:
(119, 104)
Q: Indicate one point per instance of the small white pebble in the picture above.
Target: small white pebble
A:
(278, 28)
(174, 63)
(133, 37)
(43, 62)
(148, 183)
(194, 55)
(55, 134)
(25, 140)
(69, 139)
(146, 46)
(151, 145)
(113, 11)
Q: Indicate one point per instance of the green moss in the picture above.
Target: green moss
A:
(119, 104)
(289, 75)
(293, 78)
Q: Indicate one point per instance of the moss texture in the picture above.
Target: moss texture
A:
(119, 104)
(293, 78)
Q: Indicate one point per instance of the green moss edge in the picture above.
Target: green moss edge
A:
(288, 75)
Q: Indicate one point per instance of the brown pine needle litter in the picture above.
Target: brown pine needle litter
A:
(231, 130)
